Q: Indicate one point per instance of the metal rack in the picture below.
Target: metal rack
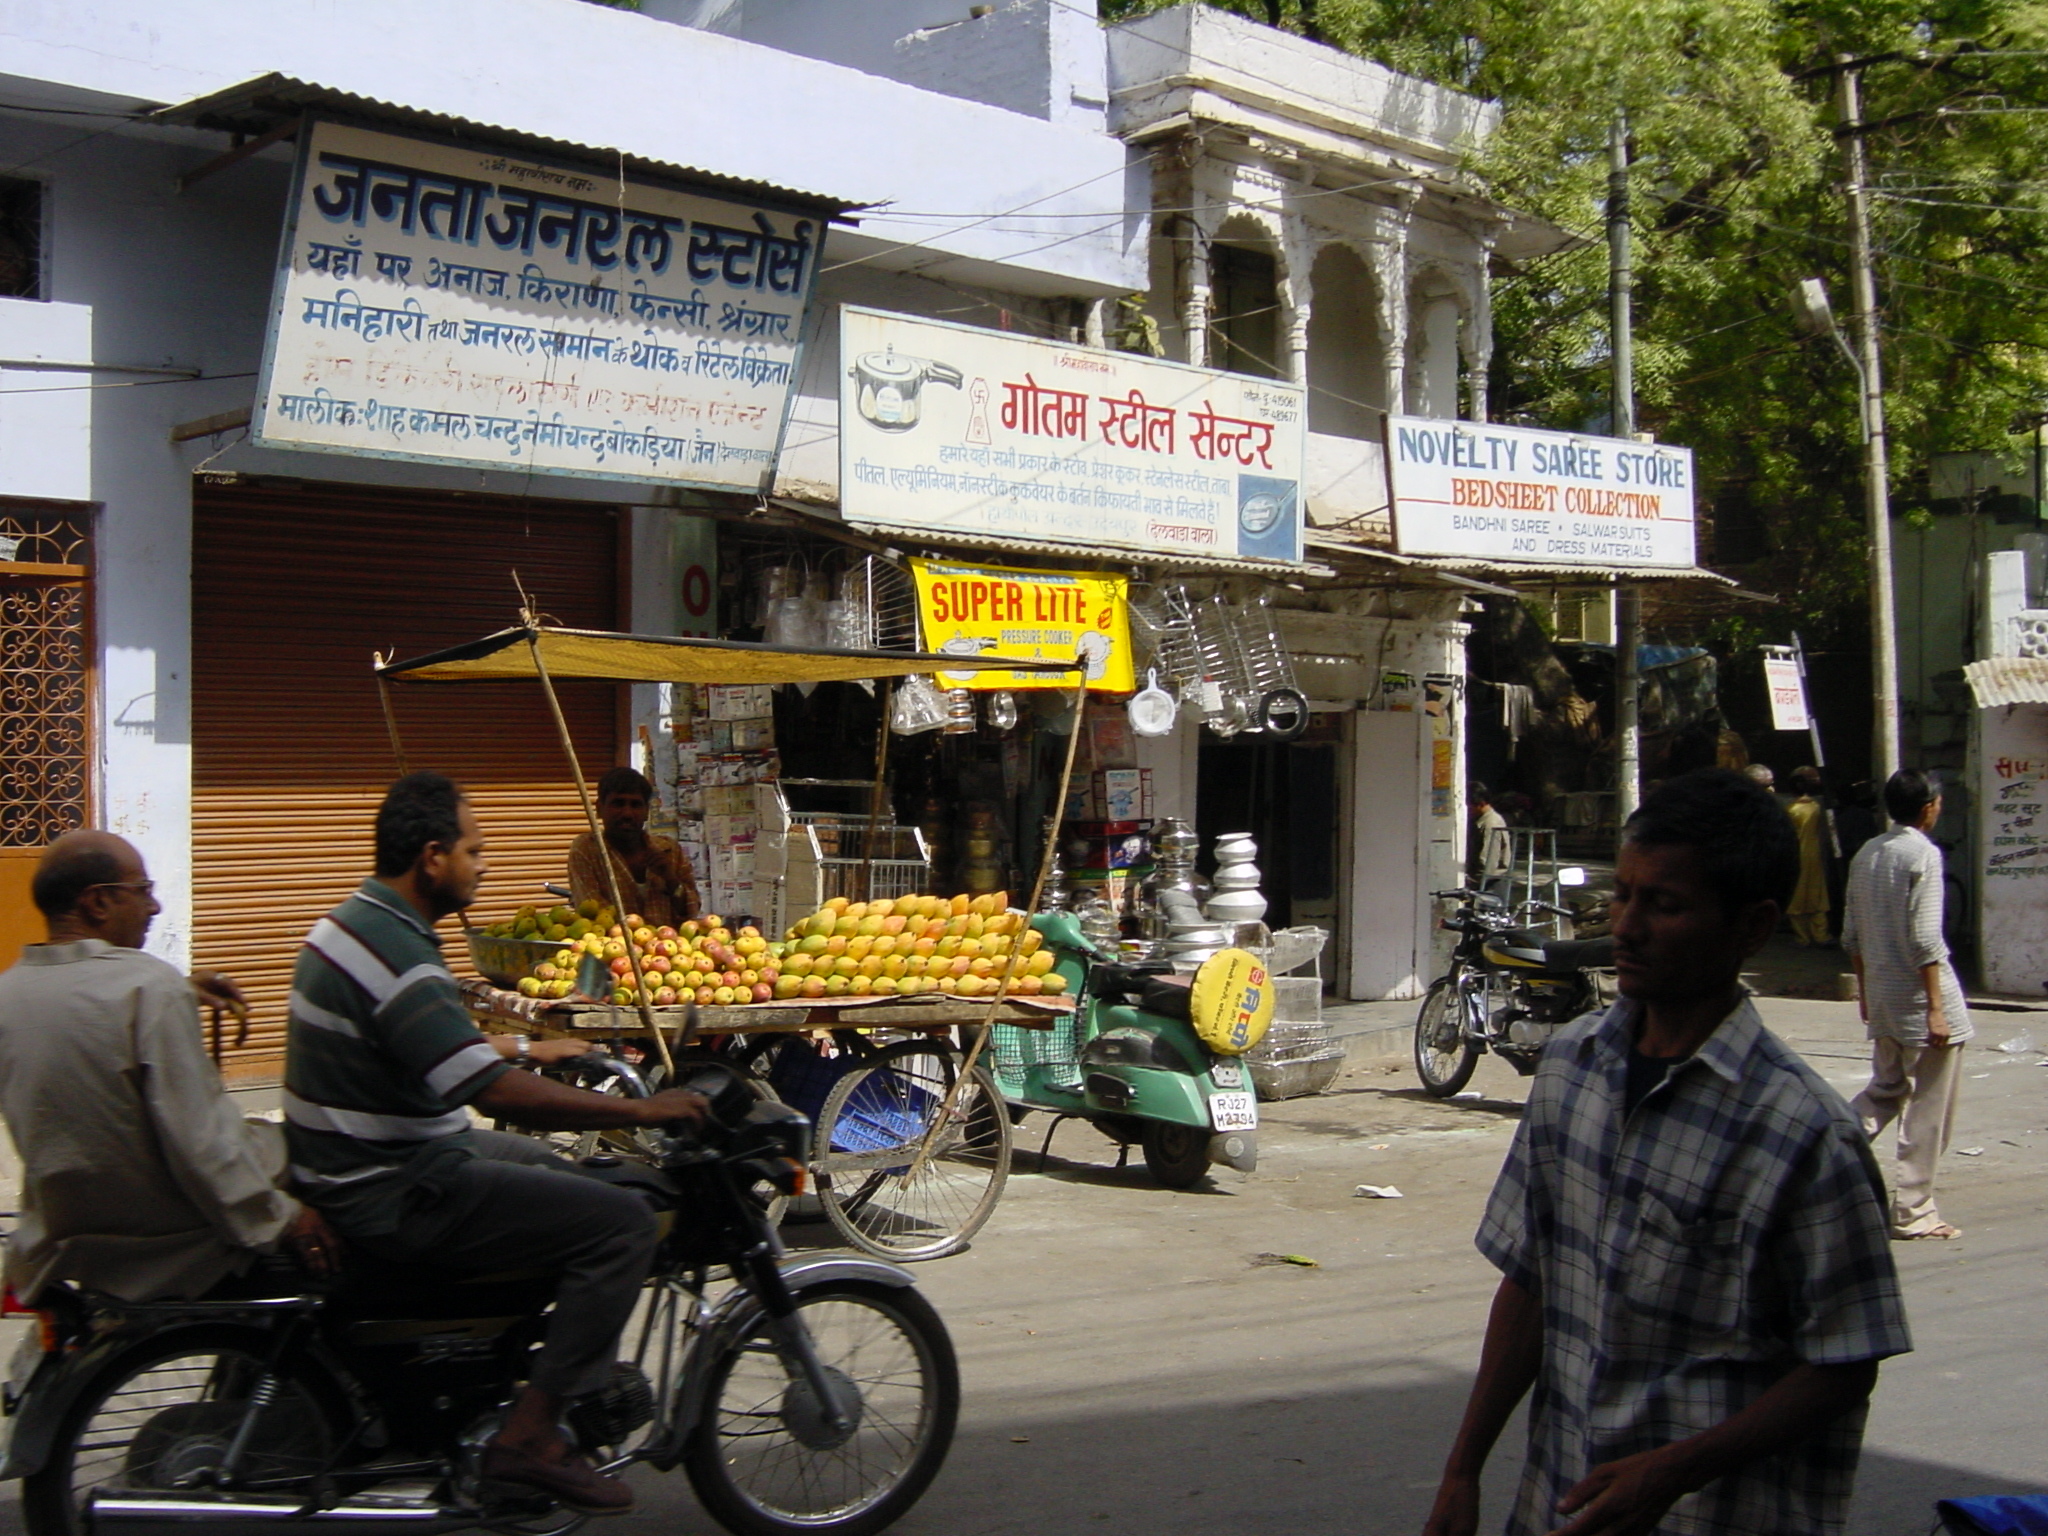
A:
(812, 847)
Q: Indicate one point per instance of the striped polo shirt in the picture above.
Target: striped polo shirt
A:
(380, 1059)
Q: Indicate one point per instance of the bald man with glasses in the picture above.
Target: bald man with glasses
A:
(139, 1176)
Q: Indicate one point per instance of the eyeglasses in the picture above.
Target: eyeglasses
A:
(140, 887)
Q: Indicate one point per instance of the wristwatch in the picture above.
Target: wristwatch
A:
(522, 1048)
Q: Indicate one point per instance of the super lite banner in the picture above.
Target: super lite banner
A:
(500, 310)
(994, 610)
(1469, 488)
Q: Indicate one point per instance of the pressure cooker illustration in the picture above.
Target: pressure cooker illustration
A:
(889, 388)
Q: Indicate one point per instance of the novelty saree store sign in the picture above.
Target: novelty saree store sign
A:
(982, 610)
(1515, 493)
(969, 431)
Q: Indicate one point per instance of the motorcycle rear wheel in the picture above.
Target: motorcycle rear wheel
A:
(762, 1461)
(1445, 1052)
(159, 1416)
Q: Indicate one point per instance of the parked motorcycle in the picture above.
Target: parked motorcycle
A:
(1149, 1060)
(813, 1394)
(1506, 990)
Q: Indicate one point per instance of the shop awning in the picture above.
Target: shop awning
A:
(618, 658)
(2008, 680)
(1100, 555)
(268, 106)
(1523, 573)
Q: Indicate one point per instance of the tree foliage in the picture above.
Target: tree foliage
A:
(1737, 193)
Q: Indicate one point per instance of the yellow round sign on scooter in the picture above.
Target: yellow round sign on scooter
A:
(1233, 1002)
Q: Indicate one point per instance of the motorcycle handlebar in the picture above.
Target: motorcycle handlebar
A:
(630, 1080)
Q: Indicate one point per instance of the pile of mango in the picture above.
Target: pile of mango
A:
(558, 925)
(703, 961)
(959, 945)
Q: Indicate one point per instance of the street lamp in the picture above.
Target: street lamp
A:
(1815, 314)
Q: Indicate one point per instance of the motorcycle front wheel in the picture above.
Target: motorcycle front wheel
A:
(763, 1460)
(1445, 1052)
(161, 1417)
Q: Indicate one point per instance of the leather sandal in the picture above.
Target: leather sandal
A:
(571, 1482)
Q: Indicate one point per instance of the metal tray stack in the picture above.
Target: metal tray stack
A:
(1298, 1056)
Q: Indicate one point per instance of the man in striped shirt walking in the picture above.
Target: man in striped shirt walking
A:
(381, 1065)
(1912, 1003)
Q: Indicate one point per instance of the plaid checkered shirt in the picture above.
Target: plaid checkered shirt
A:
(1685, 1258)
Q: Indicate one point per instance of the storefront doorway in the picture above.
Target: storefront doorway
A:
(1286, 795)
(292, 590)
(46, 685)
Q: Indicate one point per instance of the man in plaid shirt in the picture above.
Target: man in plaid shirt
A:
(1696, 1276)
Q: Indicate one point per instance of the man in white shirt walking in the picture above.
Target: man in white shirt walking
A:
(1912, 1003)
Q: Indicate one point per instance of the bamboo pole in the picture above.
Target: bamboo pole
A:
(995, 1003)
(886, 693)
(390, 715)
(611, 873)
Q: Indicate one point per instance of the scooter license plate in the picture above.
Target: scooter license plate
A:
(1234, 1111)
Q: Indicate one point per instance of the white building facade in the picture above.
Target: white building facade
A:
(1026, 168)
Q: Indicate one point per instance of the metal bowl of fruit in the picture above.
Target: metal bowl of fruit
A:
(504, 961)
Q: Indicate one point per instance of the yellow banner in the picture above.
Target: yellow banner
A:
(986, 610)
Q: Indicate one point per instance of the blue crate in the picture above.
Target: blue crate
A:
(802, 1078)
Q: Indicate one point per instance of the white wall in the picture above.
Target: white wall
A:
(2012, 835)
(45, 413)
(610, 79)
(1040, 57)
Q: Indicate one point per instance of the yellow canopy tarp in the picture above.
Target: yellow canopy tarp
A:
(609, 657)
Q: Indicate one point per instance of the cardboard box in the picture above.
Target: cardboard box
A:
(1147, 811)
(1118, 793)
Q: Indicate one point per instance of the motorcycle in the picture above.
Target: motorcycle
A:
(1507, 990)
(814, 1394)
(1149, 1061)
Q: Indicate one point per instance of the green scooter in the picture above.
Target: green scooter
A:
(1147, 1059)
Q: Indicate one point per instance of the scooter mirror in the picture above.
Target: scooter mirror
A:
(1571, 874)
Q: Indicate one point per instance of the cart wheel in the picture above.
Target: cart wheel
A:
(870, 1133)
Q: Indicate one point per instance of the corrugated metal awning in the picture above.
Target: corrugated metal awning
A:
(1519, 572)
(257, 107)
(2008, 680)
(1157, 560)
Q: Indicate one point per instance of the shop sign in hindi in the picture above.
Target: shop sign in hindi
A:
(476, 307)
(1788, 694)
(1469, 488)
(992, 610)
(957, 430)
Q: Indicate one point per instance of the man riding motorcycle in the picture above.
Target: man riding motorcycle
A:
(382, 1066)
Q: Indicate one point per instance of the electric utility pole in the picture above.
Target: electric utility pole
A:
(1884, 645)
(1628, 610)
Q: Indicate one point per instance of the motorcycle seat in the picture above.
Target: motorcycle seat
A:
(1533, 951)
(1579, 954)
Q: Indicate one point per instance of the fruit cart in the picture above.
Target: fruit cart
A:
(912, 1144)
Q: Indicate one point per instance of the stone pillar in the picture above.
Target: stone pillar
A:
(1297, 294)
(1194, 292)
(1478, 337)
(1390, 284)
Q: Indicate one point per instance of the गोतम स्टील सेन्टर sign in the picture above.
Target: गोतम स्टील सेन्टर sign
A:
(1470, 488)
(489, 308)
(955, 429)
(994, 610)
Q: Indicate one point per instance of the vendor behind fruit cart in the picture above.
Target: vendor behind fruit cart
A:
(655, 877)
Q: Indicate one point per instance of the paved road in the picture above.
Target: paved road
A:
(1129, 1368)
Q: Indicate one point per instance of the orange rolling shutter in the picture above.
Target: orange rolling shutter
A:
(292, 590)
